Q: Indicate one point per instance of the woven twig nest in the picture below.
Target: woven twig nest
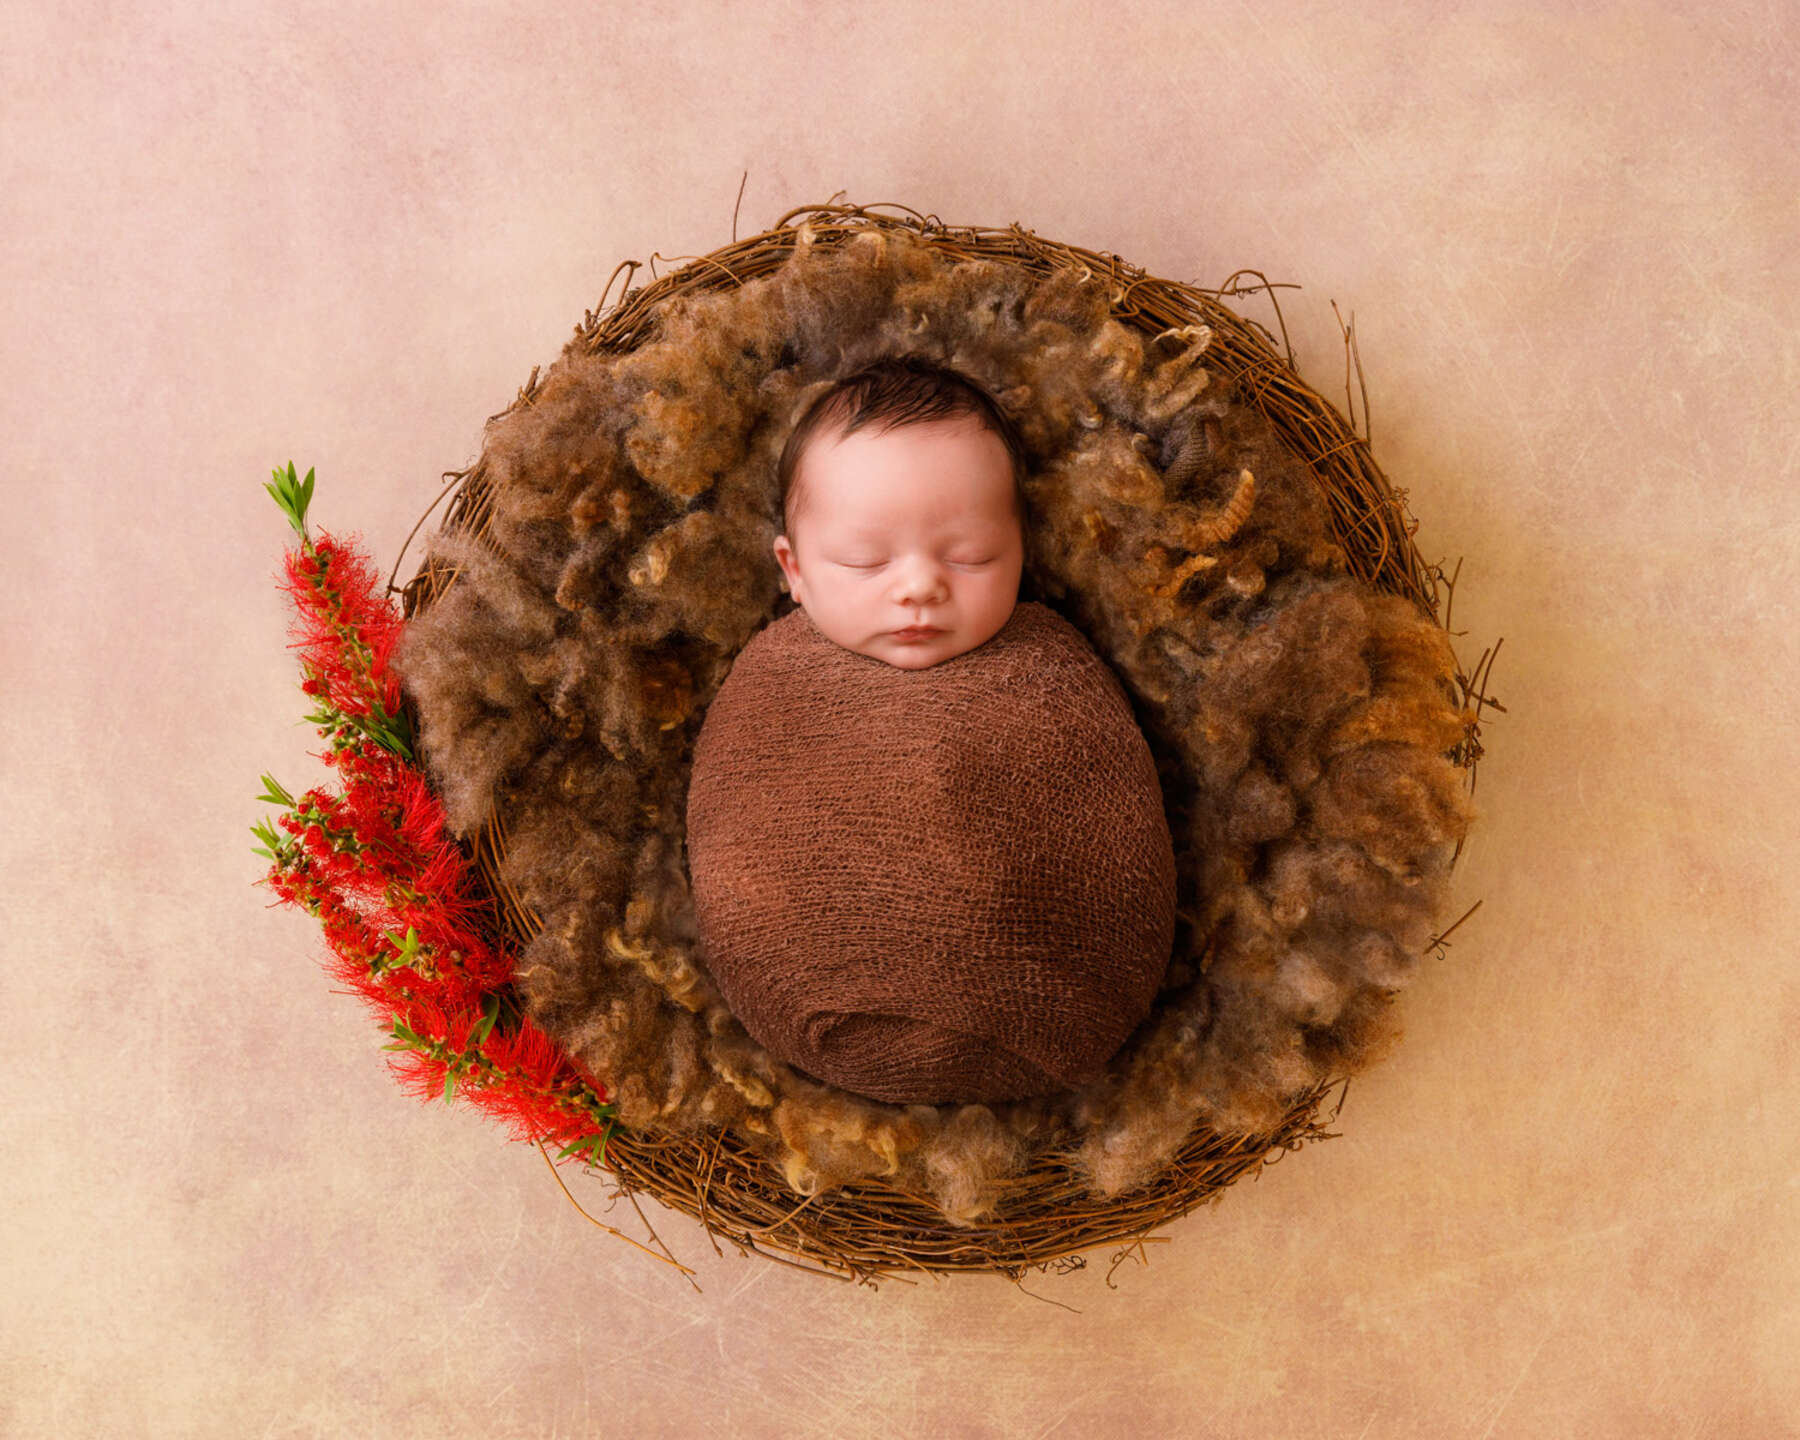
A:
(1214, 528)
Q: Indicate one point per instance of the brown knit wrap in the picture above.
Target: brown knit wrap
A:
(931, 886)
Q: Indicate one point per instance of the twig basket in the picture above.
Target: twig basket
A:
(871, 1229)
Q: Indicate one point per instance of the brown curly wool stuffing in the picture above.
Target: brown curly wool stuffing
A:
(1300, 720)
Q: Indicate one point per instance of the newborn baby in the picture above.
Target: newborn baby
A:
(910, 483)
(924, 882)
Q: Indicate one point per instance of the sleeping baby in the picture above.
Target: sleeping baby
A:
(926, 838)
(906, 484)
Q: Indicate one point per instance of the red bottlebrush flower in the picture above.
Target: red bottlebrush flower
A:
(349, 935)
(589, 1079)
(352, 575)
(381, 767)
(420, 1075)
(443, 880)
(353, 970)
(382, 640)
(341, 870)
(422, 917)
(529, 1054)
(427, 1018)
(409, 927)
(460, 1025)
(532, 1114)
(534, 1090)
(423, 826)
(362, 814)
(341, 620)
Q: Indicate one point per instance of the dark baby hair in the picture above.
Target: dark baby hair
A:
(902, 390)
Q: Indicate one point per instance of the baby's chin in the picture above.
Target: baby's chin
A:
(919, 656)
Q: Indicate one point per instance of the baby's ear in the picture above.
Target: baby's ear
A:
(784, 557)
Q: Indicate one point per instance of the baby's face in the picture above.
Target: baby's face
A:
(909, 526)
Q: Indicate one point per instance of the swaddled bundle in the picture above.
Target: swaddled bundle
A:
(931, 886)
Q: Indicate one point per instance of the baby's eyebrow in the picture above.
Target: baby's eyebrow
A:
(962, 525)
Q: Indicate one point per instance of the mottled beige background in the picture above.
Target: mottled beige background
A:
(345, 234)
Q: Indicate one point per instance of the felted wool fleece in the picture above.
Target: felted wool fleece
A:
(932, 886)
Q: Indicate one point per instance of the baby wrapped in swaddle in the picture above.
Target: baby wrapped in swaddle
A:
(929, 856)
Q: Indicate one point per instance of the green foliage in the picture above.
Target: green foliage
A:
(293, 495)
(490, 1012)
(275, 846)
(591, 1148)
(266, 833)
(406, 948)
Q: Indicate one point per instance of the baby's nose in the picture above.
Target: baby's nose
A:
(920, 571)
(921, 584)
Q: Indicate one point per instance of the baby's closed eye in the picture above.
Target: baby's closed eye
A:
(960, 564)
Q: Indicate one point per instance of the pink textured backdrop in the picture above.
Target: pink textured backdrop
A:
(345, 234)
